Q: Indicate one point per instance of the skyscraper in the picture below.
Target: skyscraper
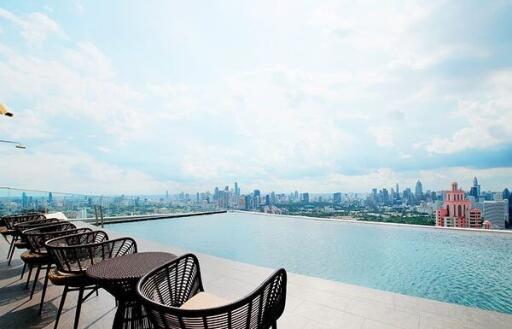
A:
(216, 194)
(237, 190)
(305, 197)
(418, 193)
(477, 187)
(24, 200)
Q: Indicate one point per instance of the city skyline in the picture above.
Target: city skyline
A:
(235, 187)
(300, 95)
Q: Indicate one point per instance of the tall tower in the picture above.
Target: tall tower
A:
(237, 190)
(476, 186)
(418, 193)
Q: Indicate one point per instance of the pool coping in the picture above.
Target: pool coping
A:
(141, 218)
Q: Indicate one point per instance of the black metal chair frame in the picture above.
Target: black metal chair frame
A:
(166, 288)
(37, 237)
(75, 253)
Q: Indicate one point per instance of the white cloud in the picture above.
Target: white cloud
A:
(349, 71)
(75, 172)
(34, 27)
(493, 179)
(87, 59)
(487, 119)
(383, 135)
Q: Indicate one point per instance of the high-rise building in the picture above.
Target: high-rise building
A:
(456, 210)
(256, 199)
(418, 192)
(305, 197)
(505, 194)
(473, 192)
(496, 212)
(24, 200)
(248, 202)
(475, 189)
(475, 218)
(336, 198)
(237, 190)
(385, 196)
(374, 195)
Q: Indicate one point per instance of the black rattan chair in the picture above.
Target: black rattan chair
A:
(10, 222)
(174, 298)
(19, 241)
(38, 253)
(73, 254)
(33, 258)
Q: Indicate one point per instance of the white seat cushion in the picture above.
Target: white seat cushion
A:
(203, 300)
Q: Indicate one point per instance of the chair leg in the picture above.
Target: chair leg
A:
(23, 270)
(11, 245)
(78, 306)
(29, 275)
(35, 281)
(61, 306)
(48, 267)
(11, 254)
(97, 288)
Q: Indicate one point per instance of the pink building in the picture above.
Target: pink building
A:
(457, 211)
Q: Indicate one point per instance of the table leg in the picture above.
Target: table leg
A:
(131, 314)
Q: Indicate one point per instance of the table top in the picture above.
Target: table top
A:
(128, 267)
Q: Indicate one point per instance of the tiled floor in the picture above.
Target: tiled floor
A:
(311, 303)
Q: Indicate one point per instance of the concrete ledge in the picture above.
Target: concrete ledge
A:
(137, 218)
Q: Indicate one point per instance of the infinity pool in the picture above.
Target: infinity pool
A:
(468, 268)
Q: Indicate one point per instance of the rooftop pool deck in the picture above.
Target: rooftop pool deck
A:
(312, 303)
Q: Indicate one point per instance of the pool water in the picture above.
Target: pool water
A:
(467, 268)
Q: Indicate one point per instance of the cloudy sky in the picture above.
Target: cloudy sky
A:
(319, 96)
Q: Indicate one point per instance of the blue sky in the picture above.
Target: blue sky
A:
(319, 96)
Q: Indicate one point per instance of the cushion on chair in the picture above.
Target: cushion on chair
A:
(5, 231)
(60, 278)
(34, 258)
(203, 300)
(21, 244)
